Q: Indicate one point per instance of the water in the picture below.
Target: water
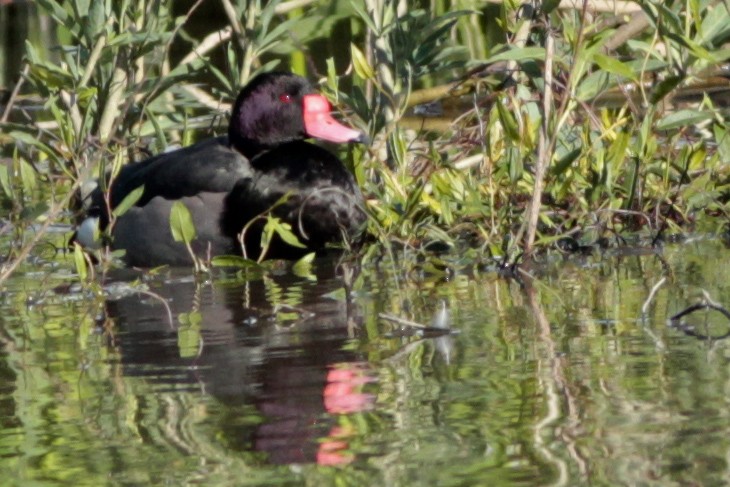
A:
(281, 380)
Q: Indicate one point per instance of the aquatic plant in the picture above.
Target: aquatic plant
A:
(558, 126)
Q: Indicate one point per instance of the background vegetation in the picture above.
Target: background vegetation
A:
(612, 120)
(496, 126)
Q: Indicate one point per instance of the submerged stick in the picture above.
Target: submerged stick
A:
(652, 293)
(401, 321)
(707, 303)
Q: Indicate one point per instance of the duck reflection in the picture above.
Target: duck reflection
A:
(277, 344)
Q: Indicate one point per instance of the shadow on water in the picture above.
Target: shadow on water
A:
(290, 363)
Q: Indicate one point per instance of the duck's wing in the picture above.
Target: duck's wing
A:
(211, 166)
(200, 176)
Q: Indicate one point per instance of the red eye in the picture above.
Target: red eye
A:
(285, 98)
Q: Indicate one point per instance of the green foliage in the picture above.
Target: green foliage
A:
(181, 223)
(183, 230)
(617, 162)
(630, 144)
(130, 200)
(274, 226)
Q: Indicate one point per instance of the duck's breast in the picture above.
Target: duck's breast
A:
(323, 202)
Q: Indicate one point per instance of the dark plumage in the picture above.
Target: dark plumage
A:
(227, 181)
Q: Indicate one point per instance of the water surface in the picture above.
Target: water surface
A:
(282, 379)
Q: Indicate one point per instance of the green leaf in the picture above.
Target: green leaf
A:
(593, 85)
(234, 261)
(519, 54)
(55, 9)
(664, 87)
(548, 6)
(34, 142)
(365, 17)
(81, 7)
(31, 213)
(562, 164)
(360, 63)
(516, 166)
(5, 181)
(28, 177)
(303, 267)
(614, 66)
(683, 118)
(129, 201)
(282, 199)
(51, 76)
(337, 295)
(181, 223)
(161, 141)
(95, 20)
(80, 262)
(332, 81)
(723, 142)
(508, 122)
(283, 230)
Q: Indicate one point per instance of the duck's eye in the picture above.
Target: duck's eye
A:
(285, 98)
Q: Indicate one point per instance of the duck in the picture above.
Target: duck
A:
(264, 165)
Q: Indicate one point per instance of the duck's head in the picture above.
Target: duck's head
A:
(280, 107)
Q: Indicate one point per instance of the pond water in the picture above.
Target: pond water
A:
(282, 379)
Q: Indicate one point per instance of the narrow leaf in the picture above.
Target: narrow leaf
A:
(80, 262)
(28, 177)
(683, 118)
(519, 54)
(234, 261)
(360, 63)
(614, 66)
(181, 223)
(284, 231)
(5, 181)
(508, 122)
(129, 201)
(664, 87)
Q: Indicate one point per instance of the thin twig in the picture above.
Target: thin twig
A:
(401, 321)
(654, 290)
(470, 161)
(207, 44)
(638, 23)
(14, 94)
(204, 98)
(544, 146)
(164, 303)
(286, 7)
